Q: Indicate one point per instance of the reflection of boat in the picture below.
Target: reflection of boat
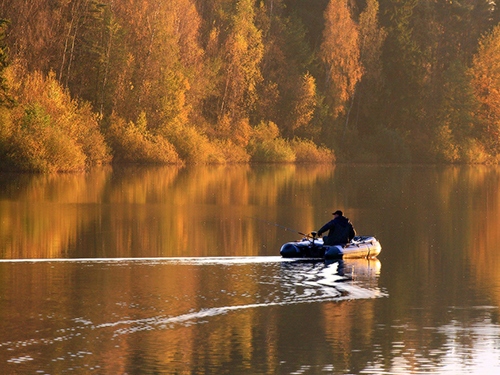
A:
(360, 268)
(313, 247)
(315, 280)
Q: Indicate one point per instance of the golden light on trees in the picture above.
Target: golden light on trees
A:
(340, 54)
(486, 83)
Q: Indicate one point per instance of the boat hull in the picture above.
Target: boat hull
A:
(359, 247)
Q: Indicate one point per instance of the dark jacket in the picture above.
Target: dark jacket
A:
(340, 232)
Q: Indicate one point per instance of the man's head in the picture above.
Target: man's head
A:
(338, 213)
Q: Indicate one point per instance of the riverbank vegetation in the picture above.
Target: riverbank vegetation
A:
(224, 81)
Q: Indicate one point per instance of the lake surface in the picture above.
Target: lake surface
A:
(171, 270)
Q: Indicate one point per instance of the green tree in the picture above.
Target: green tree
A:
(286, 63)
(453, 40)
(456, 137)
(402, 59)
(372, 37)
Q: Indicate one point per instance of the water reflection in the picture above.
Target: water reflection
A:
(164, 211)
(227, 303)
(453, 348)
(191, 308)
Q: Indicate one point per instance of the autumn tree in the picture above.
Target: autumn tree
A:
(5, 97)
(160, 62)
(82, 59)
(304, 108)
(182, 80)
(233, 54)
(274, 65)
(485, 73)
(49, 131)
(35, 31)
(340, 54)
(112, 61)
(390, 73)
(242, 54)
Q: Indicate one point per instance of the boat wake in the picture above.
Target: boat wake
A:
(298, 282)
(275, 282)
(158, 260)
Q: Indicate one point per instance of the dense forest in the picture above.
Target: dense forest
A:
(84, 82)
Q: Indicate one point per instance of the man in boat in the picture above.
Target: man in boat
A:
(340, 230)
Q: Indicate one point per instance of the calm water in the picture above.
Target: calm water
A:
(177, 271)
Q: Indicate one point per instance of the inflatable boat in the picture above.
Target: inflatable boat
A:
(313, 247)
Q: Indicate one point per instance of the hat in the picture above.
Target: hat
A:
(338, 212)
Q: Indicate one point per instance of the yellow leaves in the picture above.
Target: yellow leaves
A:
(444, 145)
(267, 145)
(371, 38)
(305, 104)
(38, 145)
(240, 45)
(193, 146)
(266, 131)
(174, 105)
(184, 27)
(133, 143)
(51, 132)
(6, 126)
(340, 52)
(242, 57)
(485, 74)
(308, 152)
(238, 132)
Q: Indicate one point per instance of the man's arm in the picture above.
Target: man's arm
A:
(325, 227)
(352, 232)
